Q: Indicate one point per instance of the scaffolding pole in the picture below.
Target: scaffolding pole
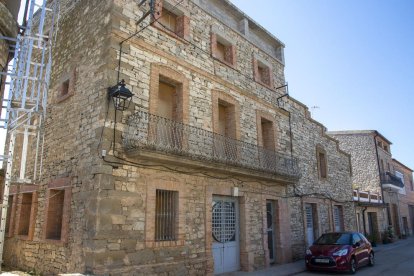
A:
(27, 99)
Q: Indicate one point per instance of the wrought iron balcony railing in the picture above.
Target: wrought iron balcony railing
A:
(391, 179)
(148, 131)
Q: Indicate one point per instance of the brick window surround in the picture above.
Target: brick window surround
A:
(150, 219)
(26, 211)
(161, 73)
(11, 215)
(266, 130)
(223, 49)
(57, 210)
(66, 87)
(222, 99)
(262, 72)
(322, 162)
(171, 19)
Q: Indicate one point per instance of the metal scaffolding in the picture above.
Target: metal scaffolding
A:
(29, 75)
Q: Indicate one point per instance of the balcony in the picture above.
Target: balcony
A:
(148, 132)
(391, 181)
(367, 197)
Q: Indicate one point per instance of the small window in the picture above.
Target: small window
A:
(386, 148)
(55, 215)
(223, 50)
(65, 88)
(411, 185)
(166, 215)
(172, 20)
(262, 72)
(168, 20)
(322, 164)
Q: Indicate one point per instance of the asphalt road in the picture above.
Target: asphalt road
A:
(393, 259)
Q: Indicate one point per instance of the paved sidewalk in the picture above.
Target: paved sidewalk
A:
(299, 266)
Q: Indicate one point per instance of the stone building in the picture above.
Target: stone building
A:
(211, 168)
(9, 10)
(377, 183)
(405, 198)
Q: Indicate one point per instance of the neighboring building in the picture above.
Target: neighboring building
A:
(212, 168)
(9, 10)
(405, 197)
(377, 185)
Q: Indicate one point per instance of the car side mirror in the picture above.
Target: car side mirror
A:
(357, 244)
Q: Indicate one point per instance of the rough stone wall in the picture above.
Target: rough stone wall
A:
(8, 28)
(110, 215)
(336, 189)
(365, 175)
(70, 138)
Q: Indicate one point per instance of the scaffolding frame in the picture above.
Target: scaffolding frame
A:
(29, 76)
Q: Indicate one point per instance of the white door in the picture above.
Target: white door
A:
(309, 224)
(225, 231)
(337, 218)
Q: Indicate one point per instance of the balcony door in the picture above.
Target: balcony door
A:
(168, 132)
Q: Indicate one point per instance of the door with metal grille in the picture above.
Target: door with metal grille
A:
(270, 213)
(310, 235)
(225, 232)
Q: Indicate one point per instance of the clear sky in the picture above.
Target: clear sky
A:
(353, 59)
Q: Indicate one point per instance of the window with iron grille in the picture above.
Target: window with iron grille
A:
(166, 215)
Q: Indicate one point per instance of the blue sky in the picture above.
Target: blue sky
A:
(353, 59)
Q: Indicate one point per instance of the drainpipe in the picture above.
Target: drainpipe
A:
(379, 172)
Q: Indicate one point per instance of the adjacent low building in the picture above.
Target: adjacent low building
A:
(381, 184)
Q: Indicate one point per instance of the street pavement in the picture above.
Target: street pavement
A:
(396, 259)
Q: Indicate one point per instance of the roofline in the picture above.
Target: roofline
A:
(395, 160)
(356, 132)
(254, 22)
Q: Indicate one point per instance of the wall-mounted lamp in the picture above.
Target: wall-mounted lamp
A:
(121, 95)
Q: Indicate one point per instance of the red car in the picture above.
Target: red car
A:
(339, 251)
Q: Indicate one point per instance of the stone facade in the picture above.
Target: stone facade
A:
(8, 28)
(406, 198)
(227, 139)
(374, 174)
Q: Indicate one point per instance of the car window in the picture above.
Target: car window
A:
(363, 238)
(334, 238)
(356, 238)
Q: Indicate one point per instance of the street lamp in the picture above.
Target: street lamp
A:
(121, 96)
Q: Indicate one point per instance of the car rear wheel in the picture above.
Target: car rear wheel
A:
(352, 266)
(371, 259)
